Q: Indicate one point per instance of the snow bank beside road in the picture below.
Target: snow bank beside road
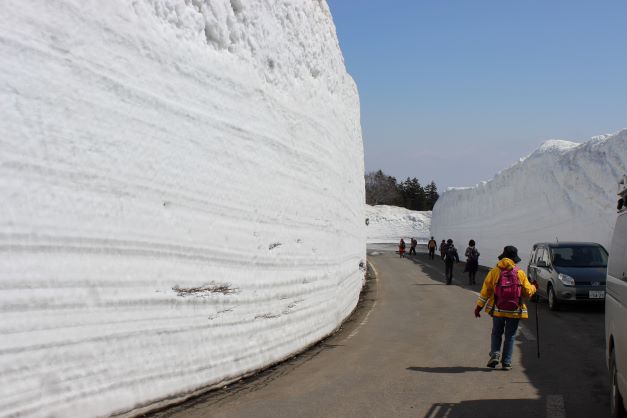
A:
(388, 224)
(182, 192)
(564, 191)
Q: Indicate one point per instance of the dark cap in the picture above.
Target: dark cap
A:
(449, 241)
(510, 252)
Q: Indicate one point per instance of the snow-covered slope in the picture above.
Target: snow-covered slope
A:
(388, 224)
(563, 191)
(182, 196)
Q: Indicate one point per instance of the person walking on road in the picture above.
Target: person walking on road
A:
(503, 293)
(472, 262)
(401, 248)
(412, 247)
(450, 257)
(432, 245)
(442, 249)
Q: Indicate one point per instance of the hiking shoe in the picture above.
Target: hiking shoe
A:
(494, 360)
(507, 366)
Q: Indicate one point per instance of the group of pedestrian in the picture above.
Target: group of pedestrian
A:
(449, 255)
(412, 247)
(503, 293)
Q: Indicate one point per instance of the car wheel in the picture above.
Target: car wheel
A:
(617, 409)
(553, 302)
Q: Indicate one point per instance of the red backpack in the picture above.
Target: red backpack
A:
(508, 290)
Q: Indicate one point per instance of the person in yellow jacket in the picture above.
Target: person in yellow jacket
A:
(505, 304)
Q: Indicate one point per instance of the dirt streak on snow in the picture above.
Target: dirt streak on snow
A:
(158, 155)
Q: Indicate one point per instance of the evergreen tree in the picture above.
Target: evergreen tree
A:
(403, 189)
(382, 189)
(413, 194)
(431, 191)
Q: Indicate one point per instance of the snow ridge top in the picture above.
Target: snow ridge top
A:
(557, 145)
(287, 41)
(564, 189)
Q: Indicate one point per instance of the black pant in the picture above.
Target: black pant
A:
(432, 253)
(412, 250)
(471, 277)
(448, 272)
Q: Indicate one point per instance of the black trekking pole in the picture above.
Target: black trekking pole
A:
(536, 298)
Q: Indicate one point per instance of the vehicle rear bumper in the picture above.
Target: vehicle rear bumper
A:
(584, 294)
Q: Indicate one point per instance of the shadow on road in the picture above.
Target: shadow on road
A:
(434, 269)
(570, 375)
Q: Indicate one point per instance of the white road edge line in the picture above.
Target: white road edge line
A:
(527, 333)
(365, 321)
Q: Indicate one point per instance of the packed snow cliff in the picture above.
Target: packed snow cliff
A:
(182, 196)
(388, 224)
(563, 191)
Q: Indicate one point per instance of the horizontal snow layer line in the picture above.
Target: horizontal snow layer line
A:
(150, 372)
(233, 320)
(115, 354)
(182, 197)
(60, 305)
(23, 243)
(164, 192)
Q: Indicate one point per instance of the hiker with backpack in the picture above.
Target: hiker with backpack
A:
(503, 293)
(442, 249)
(412, 247)
(450, 256)
(432, 245)
(401, 248)
(472, 262)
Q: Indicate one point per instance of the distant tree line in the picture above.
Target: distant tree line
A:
(382, 189)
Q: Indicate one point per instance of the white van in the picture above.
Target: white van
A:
(616, 308)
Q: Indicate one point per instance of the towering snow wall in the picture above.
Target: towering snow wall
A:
(563, 191)
(182, 196)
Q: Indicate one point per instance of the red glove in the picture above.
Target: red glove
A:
(535, 283)
(478, 311)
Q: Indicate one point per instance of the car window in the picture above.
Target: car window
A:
(579, 256)
(533, 256)
(542, 255)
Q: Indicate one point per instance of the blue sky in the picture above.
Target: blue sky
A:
(455, 91)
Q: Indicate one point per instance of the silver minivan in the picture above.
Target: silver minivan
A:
(569, 272)
(616, 309)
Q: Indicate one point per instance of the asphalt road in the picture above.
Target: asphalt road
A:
(414, 349)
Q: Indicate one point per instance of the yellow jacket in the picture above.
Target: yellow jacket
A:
(487, 291)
